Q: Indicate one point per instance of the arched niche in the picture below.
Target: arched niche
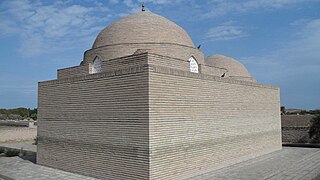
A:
(193, 65)
(96, 65)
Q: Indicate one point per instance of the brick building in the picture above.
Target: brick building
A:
(295, 128)
(146, 104)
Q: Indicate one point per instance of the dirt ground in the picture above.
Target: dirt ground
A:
(16, 134)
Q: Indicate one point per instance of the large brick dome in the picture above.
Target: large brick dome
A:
(234, 68)
(140, 28)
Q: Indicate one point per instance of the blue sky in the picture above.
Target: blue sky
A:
(277, 40)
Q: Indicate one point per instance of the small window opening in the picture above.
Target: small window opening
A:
(96, 66)
(193, 65)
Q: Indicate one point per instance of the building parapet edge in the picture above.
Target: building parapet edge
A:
(157, 69)
(117, 72)
(176, 72)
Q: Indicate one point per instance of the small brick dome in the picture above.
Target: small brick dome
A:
(234, 68)
(143, 27)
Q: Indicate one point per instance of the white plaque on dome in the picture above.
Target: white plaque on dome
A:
(96, 66)
(193, 65)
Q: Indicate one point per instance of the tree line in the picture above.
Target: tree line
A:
(18, 113)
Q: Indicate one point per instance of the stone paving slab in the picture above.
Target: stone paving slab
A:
(288, 163)
(19, 169)
(27, 146)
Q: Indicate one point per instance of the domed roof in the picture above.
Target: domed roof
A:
(234, 67)
(143, 27)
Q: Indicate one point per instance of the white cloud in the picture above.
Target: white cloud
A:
(42, 27)
(299, 22)
(227, 31)
(298, 54)
(129, 3)
(222, 7)
(304, 50)
(161, 2)
(21, 88)
(134, 7)
(114, 1)
(294, 66)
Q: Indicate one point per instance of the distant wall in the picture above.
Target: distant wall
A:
(16, 134)
(200, 122)
(295, 128)
(18, 123)
(295, 135)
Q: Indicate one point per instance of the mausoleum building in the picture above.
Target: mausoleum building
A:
(146, 104)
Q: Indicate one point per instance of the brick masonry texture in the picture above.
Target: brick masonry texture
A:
(117, 52)
(296, 120)
(197, 124)
(73, 71)
(235, 69)
(295, 128)
(295, 134)
(142, 27)
(96, 125)
(147, 117)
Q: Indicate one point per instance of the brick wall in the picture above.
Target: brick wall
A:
(295, 128)
(96, 125)
(141, 119)
(119, 62)
(70, 72)
(295, 134)
(199, 123)
(183, 64)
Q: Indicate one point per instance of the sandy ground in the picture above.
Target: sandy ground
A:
(16, 134)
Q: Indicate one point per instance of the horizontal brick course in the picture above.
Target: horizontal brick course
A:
(96, 125)
(147, 117)
(295, 128)
(197, 123)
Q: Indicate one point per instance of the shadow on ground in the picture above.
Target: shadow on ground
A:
(32, 158)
